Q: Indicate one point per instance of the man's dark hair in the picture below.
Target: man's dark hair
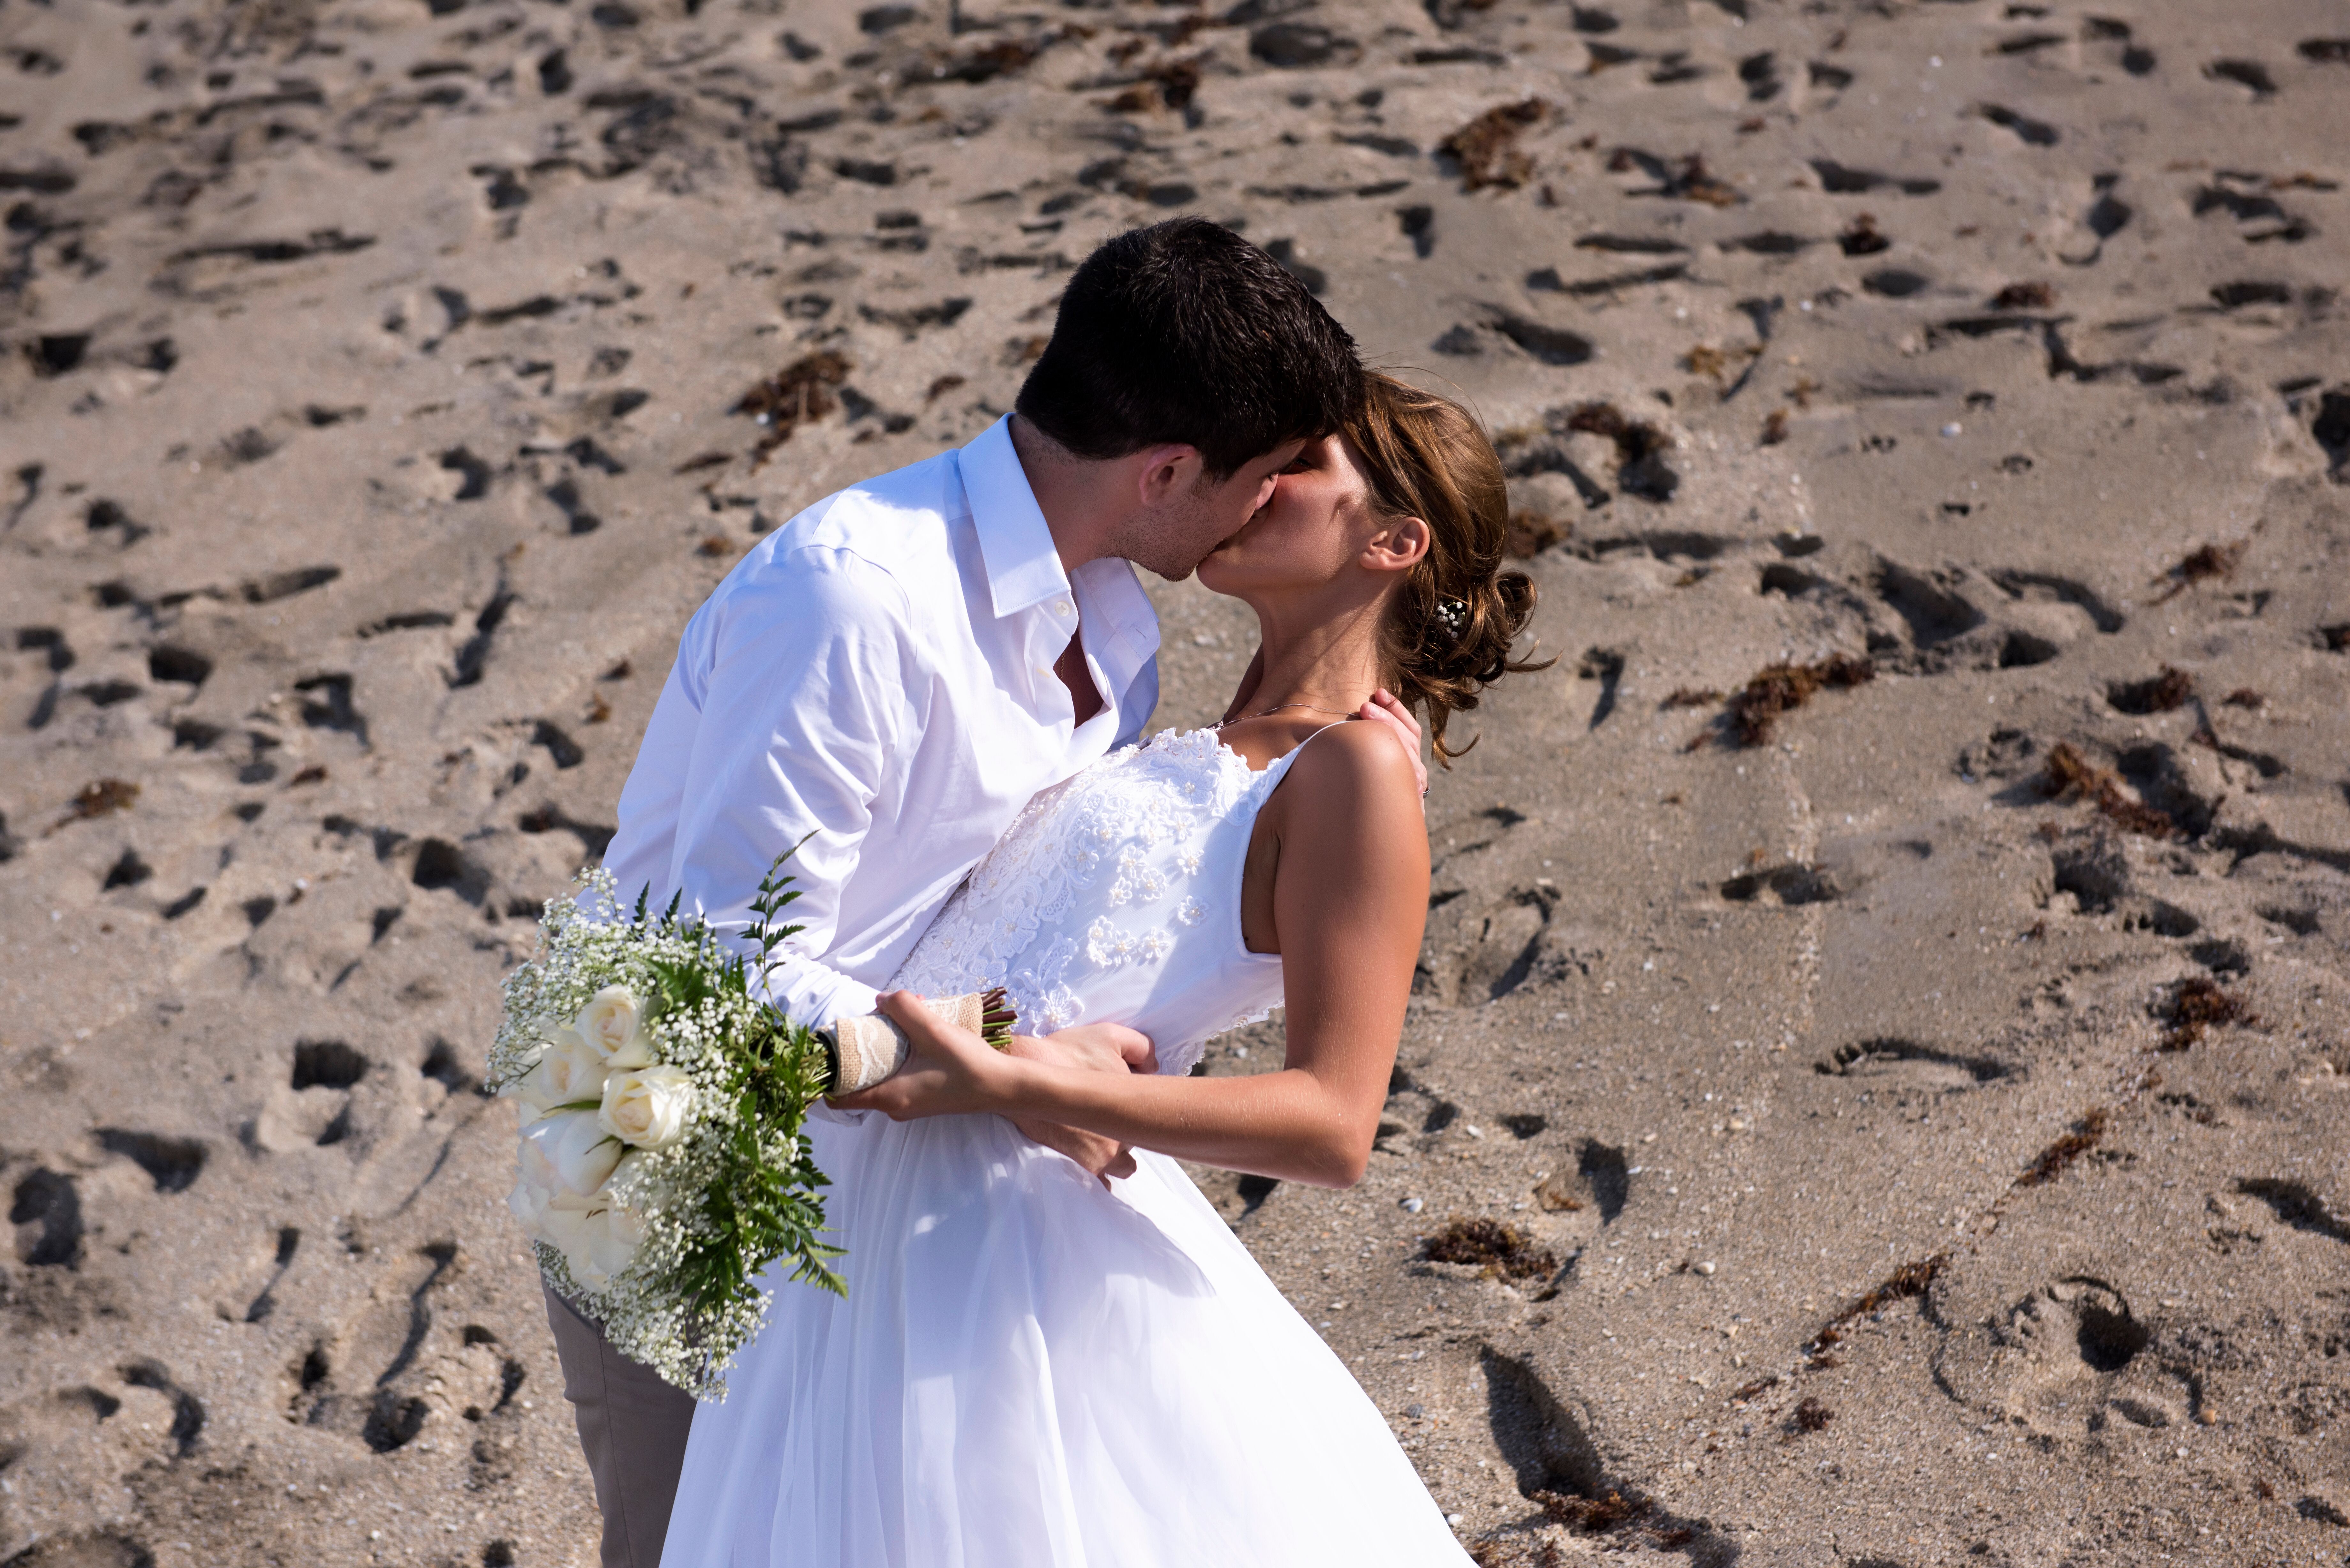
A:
(1185, 332)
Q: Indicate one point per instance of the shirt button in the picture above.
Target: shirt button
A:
(1061, 606)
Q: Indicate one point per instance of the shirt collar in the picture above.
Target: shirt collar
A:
(1024, 569)
(1120, 623)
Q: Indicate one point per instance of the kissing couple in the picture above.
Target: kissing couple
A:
(1053, 1351)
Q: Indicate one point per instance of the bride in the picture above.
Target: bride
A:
(1036, 1367)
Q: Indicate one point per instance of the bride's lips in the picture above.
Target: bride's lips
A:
(1237, 535)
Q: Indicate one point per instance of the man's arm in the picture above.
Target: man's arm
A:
(802, 701)
(789, 704)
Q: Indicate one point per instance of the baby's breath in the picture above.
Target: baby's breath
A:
(738, 1191)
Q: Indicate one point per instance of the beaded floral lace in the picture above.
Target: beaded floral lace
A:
(1103, 880)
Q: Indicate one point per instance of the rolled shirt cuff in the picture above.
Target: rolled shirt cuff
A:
(813, 996)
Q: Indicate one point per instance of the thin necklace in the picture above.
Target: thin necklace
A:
(1278, 707)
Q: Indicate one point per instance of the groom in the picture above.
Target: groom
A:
(892, 674)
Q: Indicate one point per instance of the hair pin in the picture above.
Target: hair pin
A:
(1453, 615)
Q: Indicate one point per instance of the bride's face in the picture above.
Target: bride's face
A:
(1312, 531)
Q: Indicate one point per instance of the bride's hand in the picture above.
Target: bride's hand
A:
(952, 1072)
(1101, 1047)
(1105, 1048)
(1383, 707)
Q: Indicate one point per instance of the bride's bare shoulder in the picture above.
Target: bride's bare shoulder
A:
(1361, 761)
(1348, 814)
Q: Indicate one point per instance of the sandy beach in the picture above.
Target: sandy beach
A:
(1878, 1088)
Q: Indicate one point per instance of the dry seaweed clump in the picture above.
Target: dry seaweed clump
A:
(1691, 180)
(2059, 1157)
(1593, 1515)
(1502, 1250)
(1810, 1417)
(99, 797)
(102, 797)
(1486, 149)
(1635, 1521)
(1170, 84)
(2169, 688)
(1531, 533)
(2197, 1005)
(2072, 776)
(800, 391)
(1908, 1281)
(1003, 57)
(1718, 364)
(1755, 709)
(2200, 564)
(1914, 1279)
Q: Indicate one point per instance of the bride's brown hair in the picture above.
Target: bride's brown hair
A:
(1449, 633)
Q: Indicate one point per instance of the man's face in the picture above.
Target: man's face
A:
(1172, 537)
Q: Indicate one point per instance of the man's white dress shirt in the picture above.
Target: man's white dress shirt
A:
(877, 673)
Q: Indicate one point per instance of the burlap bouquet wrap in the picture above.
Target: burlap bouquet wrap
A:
(867, 1047)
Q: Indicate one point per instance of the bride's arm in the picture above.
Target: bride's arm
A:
(1350, 898)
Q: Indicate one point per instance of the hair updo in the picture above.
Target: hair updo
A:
(1448, 632)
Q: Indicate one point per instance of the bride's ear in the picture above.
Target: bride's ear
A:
(1400, 544)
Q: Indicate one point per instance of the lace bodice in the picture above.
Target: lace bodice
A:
(1115, 898)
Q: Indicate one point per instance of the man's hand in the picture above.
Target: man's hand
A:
(1383, 708)
(1101, 1047)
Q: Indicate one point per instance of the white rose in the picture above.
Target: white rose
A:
(647, 1106)
(568, 1073)
(529, 1095)
(623, 1231)
(536, 1186)
(614, 1027)
(547, 1211)
(598, 1241)
(578, 1155)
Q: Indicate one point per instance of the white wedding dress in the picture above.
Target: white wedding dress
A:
(1030, 1371)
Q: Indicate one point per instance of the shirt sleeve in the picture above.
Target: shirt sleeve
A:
(804, 704)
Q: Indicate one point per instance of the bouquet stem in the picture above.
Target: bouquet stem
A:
(996, 1018)
(866, 1048)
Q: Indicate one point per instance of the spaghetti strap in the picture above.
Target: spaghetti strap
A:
(1280, 765)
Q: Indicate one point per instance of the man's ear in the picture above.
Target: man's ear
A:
(1162, 472)
(1398, 545)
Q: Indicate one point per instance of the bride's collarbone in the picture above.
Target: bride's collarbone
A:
(1262, 742)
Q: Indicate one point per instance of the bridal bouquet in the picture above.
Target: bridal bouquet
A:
(661, 1098)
